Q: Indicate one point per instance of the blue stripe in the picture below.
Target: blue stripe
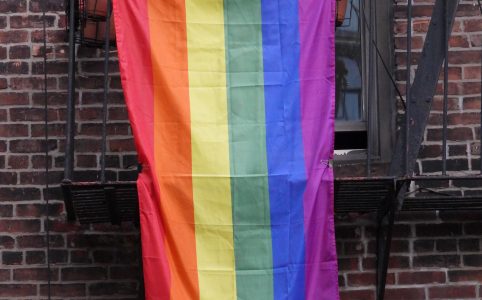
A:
(286, 167)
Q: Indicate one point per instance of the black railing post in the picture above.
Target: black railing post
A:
(408, 86)
(70, 123)
(446, 87)
(106, 91)
(371, 88)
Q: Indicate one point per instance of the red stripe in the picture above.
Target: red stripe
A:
(133, 42)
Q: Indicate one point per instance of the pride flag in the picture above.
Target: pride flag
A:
(232, 108)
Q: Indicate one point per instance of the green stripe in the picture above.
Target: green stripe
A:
(247, 134)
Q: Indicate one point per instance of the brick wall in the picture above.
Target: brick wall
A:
(434, 255)
(94, 262)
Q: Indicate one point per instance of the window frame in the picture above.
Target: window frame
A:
(381, 136)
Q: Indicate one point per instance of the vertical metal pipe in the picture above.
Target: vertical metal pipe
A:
(480, 128)
(408, 86)
(377, 82)
(446, 85)
(106, 91)
(70, 124)
(370, 89)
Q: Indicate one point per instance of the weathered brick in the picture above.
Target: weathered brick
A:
(83, 274)
(13, 6)
(12, 258)
(404, 293)
(13, 37)
(432, 230)
(428, 277)
(17, 162)
(357, 294)
(64, 290)
(440, 261)
(452, 292)
(30, 21)
(31, 146)
(13, 130)
(35, 257)
(17, 290)
(6, 242)
(19, 52)
(19, 194)
(34, 274)
(7, 98)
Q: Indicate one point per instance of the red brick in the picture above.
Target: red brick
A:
(32, 83)
(64, 290)
(357, 294)
(6, 210)
(112, 288)
(6, 242)
(31, 146)
(123, 273)
(452, 292)
(35, 257)
(122, 145)
(51, 5)
(39, 241)
(53, 36)
(3, 53)
(440, 261)
(19, 226)
(414, 277)
(443, 229)
(459, 41)
(34, 274)
(80, 257)
(83, 274)
(14, 36)
(12, 258)
(13, 130)
(19, 52)
(472, 25)
(453, 134)
(464, 275)
(38, 209)
(18, 290)
(17, 161)
(404, 293)
(13, 6)
(53, 67)
(30, 21)
(4, 275)
(7, 98)
(366, 279)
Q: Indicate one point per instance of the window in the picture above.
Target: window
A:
(364, 99)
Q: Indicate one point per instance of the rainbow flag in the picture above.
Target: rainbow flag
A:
(232, 108)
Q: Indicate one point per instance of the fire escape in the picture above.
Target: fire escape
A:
(116, 202)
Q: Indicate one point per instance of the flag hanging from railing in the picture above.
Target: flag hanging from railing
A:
(231, 104)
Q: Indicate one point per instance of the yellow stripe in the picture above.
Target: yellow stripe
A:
(210, 149)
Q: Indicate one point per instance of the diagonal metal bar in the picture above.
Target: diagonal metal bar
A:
(385, 220)
(424, 86)
(419, 102)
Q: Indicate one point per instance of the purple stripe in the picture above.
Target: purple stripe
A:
(317, 88)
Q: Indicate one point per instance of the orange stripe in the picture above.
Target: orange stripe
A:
(172, 142)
